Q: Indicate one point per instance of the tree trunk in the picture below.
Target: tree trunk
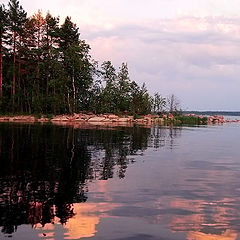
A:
(14, 75)
(74, 92)
(14, 63)
(25, 96)
(38, 63)
(29, 105)
(38, 58)
(68, 101)
(1, 67)
(48, 62)
(19, 85)
(54, 94)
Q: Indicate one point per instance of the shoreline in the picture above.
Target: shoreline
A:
(115, 120)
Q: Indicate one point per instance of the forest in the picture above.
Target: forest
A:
(45, 67)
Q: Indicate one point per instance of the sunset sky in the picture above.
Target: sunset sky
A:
(187, 47)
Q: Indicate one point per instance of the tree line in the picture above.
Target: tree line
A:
(45, 67)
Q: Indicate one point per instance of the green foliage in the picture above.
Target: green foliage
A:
(120, 94)
(49, 116)
(17, 17)
(190, 120)
(3, 26)
(37, 115)
(158, 103)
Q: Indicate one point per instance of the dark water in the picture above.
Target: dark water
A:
(123, 183)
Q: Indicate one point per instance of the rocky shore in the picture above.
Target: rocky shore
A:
(112, 119)
(86, 118)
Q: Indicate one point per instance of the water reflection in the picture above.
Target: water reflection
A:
(119, 183)
(46, 169)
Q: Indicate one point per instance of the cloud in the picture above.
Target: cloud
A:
(188, 56)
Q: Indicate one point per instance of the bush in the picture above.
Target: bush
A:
(190, 120)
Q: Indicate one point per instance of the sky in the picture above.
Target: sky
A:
(190, 48)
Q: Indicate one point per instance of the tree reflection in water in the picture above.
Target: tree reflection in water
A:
(45, 168)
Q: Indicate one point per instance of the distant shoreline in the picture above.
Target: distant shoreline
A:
(223, 113)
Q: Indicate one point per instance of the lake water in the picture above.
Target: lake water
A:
(159, 183)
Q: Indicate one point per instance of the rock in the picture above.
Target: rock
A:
(216, 119)
(22, 119)
(79, 120)
(4, 119)
(43, 119)
(61, 118)
(107, 120)
(96, 119)
(170, 116)
(131, 118)
(74, 117)
(112, 116)
(151, 116)
(141, 120)
(123, 120)
(148, 119)
(83, 117)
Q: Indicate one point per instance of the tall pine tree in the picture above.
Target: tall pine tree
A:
(78, 68)
(17, 19)
(3, 31)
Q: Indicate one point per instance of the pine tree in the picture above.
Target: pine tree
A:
(50, 45)
(75, 57)
(3, 30)
(124, 88)
(110, 92)
(17, 19)
(39, 22)
(28, 71)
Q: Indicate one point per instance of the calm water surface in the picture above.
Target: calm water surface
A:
(156, 183)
